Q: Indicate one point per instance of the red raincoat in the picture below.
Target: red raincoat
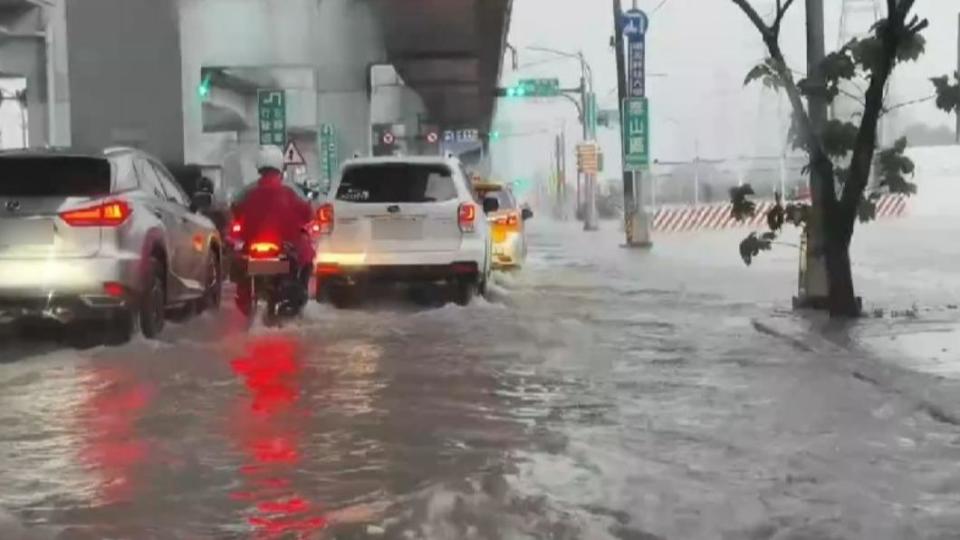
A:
(273, 212)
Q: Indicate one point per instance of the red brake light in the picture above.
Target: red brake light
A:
(264, 250)
(467, 217)
(108, 214)
(236, 228)
(114, 289)
(510, 220)
(325, 219)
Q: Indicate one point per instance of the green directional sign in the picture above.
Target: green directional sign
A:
(636, 133)
(272, 111)
(329, 160)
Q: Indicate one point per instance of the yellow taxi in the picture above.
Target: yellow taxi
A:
(508, 226)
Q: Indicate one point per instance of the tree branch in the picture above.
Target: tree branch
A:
(908, 103)
(781, 13)
(865, 145)
(765, 31)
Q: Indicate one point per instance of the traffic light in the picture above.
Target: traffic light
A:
(531, 88)
(494, 135)
(204, 89)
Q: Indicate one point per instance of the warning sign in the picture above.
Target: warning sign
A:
(292, 155)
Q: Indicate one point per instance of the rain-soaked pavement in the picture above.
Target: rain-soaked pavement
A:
(600, 393)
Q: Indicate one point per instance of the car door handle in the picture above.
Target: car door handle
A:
(393, 209)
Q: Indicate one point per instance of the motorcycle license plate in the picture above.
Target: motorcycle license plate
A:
(267, 267)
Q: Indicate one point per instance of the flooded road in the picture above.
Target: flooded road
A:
(600, 393)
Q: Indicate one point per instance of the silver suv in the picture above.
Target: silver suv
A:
(107, 239)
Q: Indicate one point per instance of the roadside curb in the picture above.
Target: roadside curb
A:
(935, 395)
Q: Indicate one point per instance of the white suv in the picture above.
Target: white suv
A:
(402, 219)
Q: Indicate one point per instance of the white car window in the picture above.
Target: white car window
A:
(125, 176)
(172, 189)
(149, 179)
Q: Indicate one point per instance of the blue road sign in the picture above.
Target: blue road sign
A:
(635, 24)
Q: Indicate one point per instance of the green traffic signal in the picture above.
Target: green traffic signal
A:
(204, 89)
(494, 135)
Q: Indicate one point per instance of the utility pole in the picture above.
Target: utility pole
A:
(958, 71)
(628, 200)
(636, 222)
(813, 290)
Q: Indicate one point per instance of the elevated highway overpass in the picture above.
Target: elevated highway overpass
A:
(135, 67)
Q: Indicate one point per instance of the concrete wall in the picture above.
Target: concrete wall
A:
(125, 73)
(336, 39)
(32, 33)
(392, 102)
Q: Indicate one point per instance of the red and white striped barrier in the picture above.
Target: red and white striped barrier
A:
(717, 216)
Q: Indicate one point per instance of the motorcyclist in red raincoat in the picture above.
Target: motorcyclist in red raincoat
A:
(272, 211)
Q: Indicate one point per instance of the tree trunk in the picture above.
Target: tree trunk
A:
(843, 300)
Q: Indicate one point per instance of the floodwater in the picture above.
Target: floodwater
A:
(599, 393)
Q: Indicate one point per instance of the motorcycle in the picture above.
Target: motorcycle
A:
(272, 273)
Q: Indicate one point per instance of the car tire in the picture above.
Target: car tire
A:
(213, 294)
(153, 300)
(464, 291)
(341, 296)
(82, 335)
(119, 328)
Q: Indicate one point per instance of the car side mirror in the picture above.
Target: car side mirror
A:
(490, 205)
(526, 214)
(201, 201)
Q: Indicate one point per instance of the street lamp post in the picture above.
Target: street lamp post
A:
(586, 92)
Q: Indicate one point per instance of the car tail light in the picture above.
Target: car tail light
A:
(108, 214)
(467, 217)
(509, 220)
(236, 228)
(462, 268)
(114, 289)
(325, 217)
(264, 250)
(327, 269)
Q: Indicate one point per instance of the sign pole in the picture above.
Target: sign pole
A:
(633, 25)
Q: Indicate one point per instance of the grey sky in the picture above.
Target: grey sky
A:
(698, 54)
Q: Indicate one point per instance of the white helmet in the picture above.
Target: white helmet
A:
(270, 157)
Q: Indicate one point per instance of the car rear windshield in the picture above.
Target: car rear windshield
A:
(397, 183)
(54, 177)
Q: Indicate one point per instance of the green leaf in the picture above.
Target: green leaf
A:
(911, 47)
(839, 138)
(766, 72)
(751, 246)
(948, 92)
(797, 213)
(893, 168)
(743, 207)
(867, 53)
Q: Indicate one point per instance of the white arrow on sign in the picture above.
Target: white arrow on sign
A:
(292, 155)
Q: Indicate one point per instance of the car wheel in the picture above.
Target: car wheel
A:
(464, 291)
(342, 296)
(153, 300)
(119, 328)
(82, 335)
(213, 294)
